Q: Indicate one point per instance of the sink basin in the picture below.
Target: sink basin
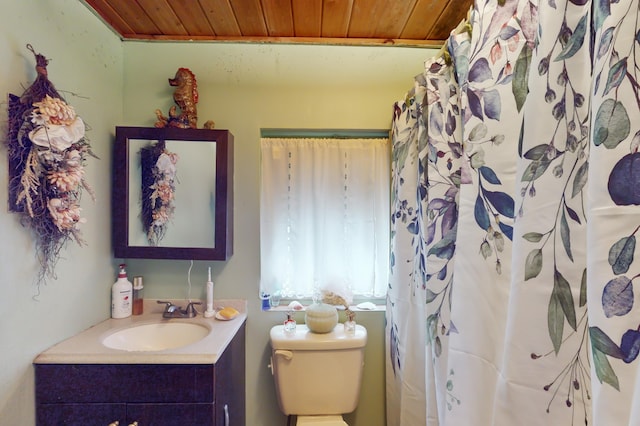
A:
(156, 336)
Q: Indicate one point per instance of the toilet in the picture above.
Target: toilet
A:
(317, 375)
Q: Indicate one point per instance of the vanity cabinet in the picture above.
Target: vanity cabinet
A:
(150, 394)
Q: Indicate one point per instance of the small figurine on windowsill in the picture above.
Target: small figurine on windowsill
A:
(186, 97)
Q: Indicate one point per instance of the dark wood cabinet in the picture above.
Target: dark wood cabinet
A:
(150, 394)
(204, 169)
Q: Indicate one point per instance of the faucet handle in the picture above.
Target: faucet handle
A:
(167, 304)
(191, 311)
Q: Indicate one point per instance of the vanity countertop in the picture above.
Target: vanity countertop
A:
(86, 347)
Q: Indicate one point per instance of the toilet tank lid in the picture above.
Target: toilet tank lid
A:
(304, 340)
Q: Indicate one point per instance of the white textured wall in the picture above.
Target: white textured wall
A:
(86, 59)
(243, 88)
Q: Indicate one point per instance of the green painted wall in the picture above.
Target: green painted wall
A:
(86, 59)
(244, 88)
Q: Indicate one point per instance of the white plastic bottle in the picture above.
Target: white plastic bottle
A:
(121, 295)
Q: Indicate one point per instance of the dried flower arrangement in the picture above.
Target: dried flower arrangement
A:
(47, 150)
(158, 189)
(340, 297)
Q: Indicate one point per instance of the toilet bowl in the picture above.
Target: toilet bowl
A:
(317, 375)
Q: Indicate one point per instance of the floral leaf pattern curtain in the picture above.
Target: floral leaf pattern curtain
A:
(405, 328)
(516, 182)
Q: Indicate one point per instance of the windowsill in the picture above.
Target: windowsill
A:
(284, 307)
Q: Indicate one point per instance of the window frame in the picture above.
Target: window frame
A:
(379, 301)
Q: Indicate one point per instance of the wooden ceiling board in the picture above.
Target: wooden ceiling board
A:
(278, 16)
(424, 23)
(307, 18)
(364, 16)
(336, 15)
(160, 12)
(110, 16)
(221, 17)
(250, 17)
(454, 12)
(135, 16)
(396, 13)
(192, 17)
(424, 16)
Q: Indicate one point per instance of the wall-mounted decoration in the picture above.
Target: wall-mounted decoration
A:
(47, 150)
(186, 97)
(159, 167)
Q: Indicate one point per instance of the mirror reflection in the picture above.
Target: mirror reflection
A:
(190, 220)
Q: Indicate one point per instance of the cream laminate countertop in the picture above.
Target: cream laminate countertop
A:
(86, 347)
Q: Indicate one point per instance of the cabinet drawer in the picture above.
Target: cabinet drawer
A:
(80, 414)
(97, 383)
(170, 414)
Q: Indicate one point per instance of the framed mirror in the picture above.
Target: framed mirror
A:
(172, 193)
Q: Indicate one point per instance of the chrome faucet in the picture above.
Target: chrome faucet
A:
(174, 311)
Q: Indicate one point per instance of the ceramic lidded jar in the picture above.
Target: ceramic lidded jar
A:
(321, 317)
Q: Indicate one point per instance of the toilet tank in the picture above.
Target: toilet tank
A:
(317, 374)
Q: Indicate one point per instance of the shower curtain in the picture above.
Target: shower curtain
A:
(515, 193)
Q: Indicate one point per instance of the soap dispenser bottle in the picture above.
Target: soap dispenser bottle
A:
(121, 295)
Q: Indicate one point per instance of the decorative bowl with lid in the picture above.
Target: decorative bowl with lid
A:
(321, 317)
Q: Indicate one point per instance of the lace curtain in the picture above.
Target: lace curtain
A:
(324, 216)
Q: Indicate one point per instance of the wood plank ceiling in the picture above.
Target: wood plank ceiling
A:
(351, 22)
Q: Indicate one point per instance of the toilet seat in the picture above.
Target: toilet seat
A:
(320, 421)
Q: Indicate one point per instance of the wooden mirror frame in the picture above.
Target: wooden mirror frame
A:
(223, 194)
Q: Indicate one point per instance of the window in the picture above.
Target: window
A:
(324, 216)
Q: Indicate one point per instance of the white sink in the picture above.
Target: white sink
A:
(156, 336)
